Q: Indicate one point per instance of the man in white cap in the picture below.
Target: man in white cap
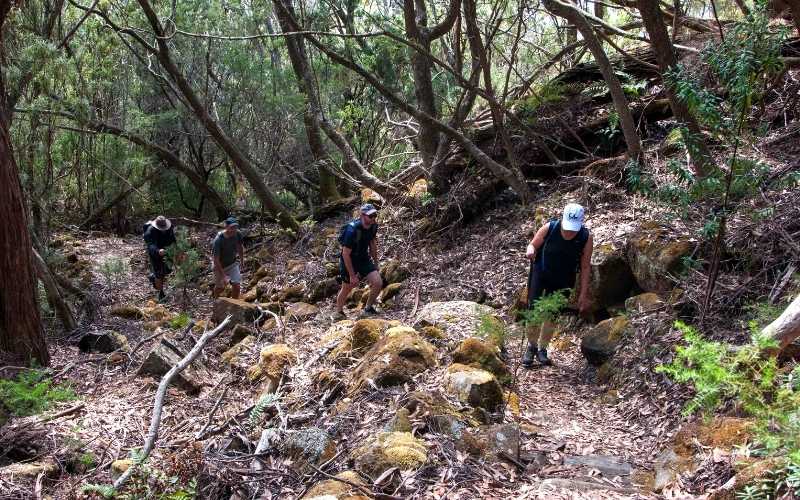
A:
(359, 260)
(158, 235)
(558, 250)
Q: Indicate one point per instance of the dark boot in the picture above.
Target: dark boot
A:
(541, 357)
(530, 354)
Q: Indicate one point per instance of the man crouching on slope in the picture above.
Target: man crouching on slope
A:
(359, 260)
(557, 251)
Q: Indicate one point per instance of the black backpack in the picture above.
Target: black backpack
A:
(145, 227)
(343, 230)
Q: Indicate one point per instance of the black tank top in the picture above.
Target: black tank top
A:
(559, 258)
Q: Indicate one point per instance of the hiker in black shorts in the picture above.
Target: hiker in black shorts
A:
(359, 260)
(158, 235)
(557, 251)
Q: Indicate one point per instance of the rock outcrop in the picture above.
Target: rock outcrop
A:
(600, 344)
(654, 255)
(475, 387)
(390, 449)
(396, 358)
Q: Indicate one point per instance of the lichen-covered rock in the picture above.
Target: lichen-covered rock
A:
(29, 470)
(311, 445)
(127, 311)
(103, 342)
(391, 291)
(274, 360)
(390, 449)
(480, 354)
(352, 343)
(239, 333)
(166, 354)
(397, 356)
(489, 440)
(600, 344)
(332, 489)
(459, 319)
(438, 413)
(300, 311)
(643, 303)
(654, 254)
(473, 386)
(293, 293)
(392, 271)
(611, 279)
(236, 355)
(322, 290)
(241, 312)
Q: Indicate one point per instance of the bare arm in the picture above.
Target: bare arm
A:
(586, 269)
(373, 250)
(348, 260)
(536, 243)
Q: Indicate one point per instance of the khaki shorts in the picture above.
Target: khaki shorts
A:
(230, 273)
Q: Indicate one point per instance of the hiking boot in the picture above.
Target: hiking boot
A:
(530, 354)
(541, 357)
(162, 297)
(338, 316)
(152, 280)
(369, 311)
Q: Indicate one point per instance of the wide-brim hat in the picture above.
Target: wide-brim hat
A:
(161, 223)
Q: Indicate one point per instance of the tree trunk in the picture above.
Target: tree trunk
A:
(270, 202)
(54, 296)
(794, 10)
(95, 216)
(662, 46)
(786, 328)
(571, 13)
(21, 334)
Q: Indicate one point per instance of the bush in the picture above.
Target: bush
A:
(32, 393)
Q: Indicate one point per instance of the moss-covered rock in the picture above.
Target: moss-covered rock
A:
(439, 415)
(397, 356)
(481, 354)
(460, 319)
(433, 333)
(473, 386)
(127, 311)
(390, 449)
(352, 340)
(391, 291)
(488, 441)
(643, 303)
(323, 289)
(261, 273)
(600, 344)
(236, 355)
(119, 467)
(29, 470)
(274, 361)
(241, 312)
(301, 311)
(654, 254)
(292, 293)
(109, 341)
(239, 333)
(392, 271)
(332, 489)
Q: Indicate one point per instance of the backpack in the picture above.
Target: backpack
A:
(343, 230)
(145, 227)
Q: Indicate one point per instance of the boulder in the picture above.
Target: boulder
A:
(273, 362)
(293, 293)
(438, 413)
(109, 341)
(459, 319)
(654, 255)
(643, 303)
(29, 470)
(300, 311)
(473, 386)
(611, 278)
(391, 291)
(390, 449)
(241, 312)
(600, 344)
(489, 441)
(352, 343)
(392, 271)
(127, 311)
(236, 355)
(323, 289)
(397, 356)
(311, 445)
(163, 356)
(240, 332)
(480, 354)
(332, 489)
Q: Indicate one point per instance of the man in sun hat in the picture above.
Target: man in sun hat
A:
(359, 260)
(558, 250)
(158, 235)
(226, 247)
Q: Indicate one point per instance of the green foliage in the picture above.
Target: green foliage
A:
(186, 259)
(31, 393)
(546, 309)
(262, 404)
(104, 490)
(427, 198)
(763, 313)
(492, 328)
(721, 373)
(180, 321)
(113, 270)
(548, 93)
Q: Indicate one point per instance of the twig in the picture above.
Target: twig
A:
(200, 433)
(78, 407)
(158, 404)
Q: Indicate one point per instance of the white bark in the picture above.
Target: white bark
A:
(786, 328)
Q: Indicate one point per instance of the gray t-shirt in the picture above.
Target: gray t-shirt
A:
(226, 248)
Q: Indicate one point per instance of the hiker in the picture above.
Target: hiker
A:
(556, 252)
(359, 260)
(158, 235)
(226, 247)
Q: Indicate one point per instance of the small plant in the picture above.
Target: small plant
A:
(551, 92)
(546, 309)
(113, 270)
(104, 490)
(180, 321)
(258, 410)
(32, 393)
(426, 198)
(185, 259)
(492, 328)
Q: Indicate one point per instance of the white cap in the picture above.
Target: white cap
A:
(572, 220)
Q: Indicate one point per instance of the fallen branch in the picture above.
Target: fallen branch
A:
(69, 411)
(158, 404)
(202, 431)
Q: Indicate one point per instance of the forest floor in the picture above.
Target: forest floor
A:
(562, 412)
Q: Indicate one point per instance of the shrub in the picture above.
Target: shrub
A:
(31, 393)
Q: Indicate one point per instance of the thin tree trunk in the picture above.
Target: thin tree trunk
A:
(54, 296)
(662, 46)
(21, 334)
(95, 216)
(572, 14)
(270, 202)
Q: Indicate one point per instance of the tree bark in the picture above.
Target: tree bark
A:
(662, 46)
(571, 13)
(786, 328)
(270, 202)
(21, 333)
(54, 296)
